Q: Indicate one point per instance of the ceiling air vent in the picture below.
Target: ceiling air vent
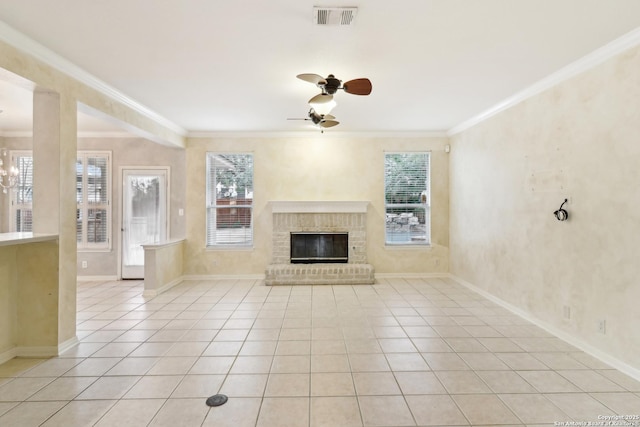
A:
(334, 15)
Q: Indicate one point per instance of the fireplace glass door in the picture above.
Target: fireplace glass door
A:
(309, 248)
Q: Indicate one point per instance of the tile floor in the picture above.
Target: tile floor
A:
(403, 352)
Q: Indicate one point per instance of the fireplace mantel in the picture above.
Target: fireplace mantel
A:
(319, 206)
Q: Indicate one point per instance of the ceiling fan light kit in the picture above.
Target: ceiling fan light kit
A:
(323, 103)
(321, 120)
(322, 106)
(321, 98)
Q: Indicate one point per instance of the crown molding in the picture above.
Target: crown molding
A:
(106, 134)
(317, 134)
(583, 64)
(81, 134)
(25, 44)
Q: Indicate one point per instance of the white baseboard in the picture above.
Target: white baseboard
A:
(225, 277)
(262, 276)
(7, 355)
(410, 275)
(29, 352)
(576, 342)
(97, 278)
(68, 344)
(37, 352)
(150, 293)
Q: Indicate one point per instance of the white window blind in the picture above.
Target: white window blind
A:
(229, 199)
(407, 199)
(22, 197)
(93, 193)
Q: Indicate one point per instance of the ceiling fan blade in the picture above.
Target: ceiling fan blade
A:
(311, 78)
(328, 123)
(358, 87)
(329, 117)
(321, 98)
(296, 118)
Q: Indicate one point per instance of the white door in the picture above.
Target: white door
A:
(144, 216)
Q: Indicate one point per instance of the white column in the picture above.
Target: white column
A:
(54, 192)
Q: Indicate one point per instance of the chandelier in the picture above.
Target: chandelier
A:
(9, 174)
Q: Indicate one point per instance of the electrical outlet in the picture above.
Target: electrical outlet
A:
(566, 312)
(84, 264)
(602, 326)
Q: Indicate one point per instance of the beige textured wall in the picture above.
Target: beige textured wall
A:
(8, 298)
(508, 174)
(40, 320)
(170, 270)
(316, 168)
(29, 314)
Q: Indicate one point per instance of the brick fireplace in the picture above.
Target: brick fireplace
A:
(319, 217)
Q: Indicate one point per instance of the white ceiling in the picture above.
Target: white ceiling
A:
(16, 118)
(227, 66)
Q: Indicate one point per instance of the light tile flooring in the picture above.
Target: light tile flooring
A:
(403, 352)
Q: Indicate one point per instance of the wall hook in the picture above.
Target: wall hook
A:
(561, 214)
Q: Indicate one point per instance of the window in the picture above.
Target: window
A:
(93, 192)
(229, 199)
(407, 199)
(22, 197)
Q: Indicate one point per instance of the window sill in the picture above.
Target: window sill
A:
(96, 250)
(234, 248)
(407, 246)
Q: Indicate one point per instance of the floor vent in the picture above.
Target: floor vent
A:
(342, 16)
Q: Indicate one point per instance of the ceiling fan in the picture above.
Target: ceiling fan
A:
(321, 120)
(330, 85)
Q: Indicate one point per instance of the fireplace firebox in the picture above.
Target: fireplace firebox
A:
(312, 248)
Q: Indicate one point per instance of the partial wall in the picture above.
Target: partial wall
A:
(29, 296)
(163, 266)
